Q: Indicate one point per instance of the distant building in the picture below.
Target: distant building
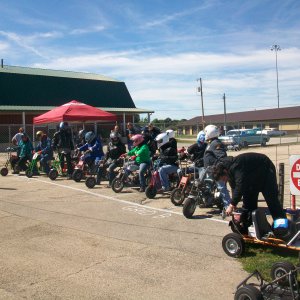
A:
(28, 92)
(286, 118)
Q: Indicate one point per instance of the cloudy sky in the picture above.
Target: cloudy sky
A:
(161, 47)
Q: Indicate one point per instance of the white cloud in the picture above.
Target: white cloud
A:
(87, 30)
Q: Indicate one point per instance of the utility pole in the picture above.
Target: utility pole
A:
(276, 48)
(201, 94)
(225, 119)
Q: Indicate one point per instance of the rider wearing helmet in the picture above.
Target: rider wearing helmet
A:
(81, 138)
(92, 148)
(44, 147)
(63, 142)
(142, 158)
(168, 158)
(115, 149)
(195, 153)
(215, 151)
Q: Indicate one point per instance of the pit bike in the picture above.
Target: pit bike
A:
(204, 193)
(128, 176)
(155, 185)
(11, 157)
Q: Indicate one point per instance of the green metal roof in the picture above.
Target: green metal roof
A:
(54, 73)
(18, 108)
(36, 87)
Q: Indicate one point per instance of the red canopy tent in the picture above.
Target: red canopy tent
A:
(74, 111)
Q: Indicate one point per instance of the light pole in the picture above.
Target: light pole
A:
(225, 117)
(276, 48)
(200, 91)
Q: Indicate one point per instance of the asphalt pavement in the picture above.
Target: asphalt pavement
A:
(61, 240)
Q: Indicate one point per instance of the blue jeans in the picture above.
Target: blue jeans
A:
(164, 171)
(45, 158)
(142, 170)
(224, 192)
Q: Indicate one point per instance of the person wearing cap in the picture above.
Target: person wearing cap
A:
(44, 148)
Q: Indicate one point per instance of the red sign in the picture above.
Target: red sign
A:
(295, 174)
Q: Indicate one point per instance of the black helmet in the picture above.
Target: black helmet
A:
(63, 125)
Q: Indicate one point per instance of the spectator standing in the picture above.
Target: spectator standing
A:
(130, 132)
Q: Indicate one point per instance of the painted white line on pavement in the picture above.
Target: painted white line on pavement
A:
(115, 199)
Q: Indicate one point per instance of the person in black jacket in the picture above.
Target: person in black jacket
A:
(215, 151)
(115, 149)
(249, 174)
(168, 158)
(195, 153)
(63, 143)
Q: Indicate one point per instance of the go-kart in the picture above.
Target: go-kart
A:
(253, 227)
(284, 284)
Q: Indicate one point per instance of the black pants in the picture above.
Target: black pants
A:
(67, 157)
(270, 193)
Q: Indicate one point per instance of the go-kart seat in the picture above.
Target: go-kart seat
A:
(261, 224)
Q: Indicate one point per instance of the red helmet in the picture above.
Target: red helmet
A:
(137, 139)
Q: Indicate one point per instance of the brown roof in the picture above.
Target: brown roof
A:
(274, 114)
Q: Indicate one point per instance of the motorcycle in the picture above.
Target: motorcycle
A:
(204, 193)
(128, 176)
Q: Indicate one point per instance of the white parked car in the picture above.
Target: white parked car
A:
(272, 132)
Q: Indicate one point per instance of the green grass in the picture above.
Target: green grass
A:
(263, 257)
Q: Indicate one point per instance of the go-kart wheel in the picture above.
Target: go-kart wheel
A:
(53, 174)
(189, 207)
(248, 292)
(233, 244)
(29, 173)
(150, 192)
(280, 269)
(90, 182)
(4, 171)
(77, 175)
(177, 196)
(117, 185)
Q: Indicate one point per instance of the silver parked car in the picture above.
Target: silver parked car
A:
(244, 138)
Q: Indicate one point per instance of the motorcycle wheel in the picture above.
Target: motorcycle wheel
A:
(189, 207)
(233, 244)
(77, 175)
(4, 171)
(150, 192)
(248, 292)
(29, 173)
(177, 196)
(90, 182)
(53, 174)
(117, 185)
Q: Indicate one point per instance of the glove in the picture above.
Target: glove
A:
(133, 157)
(123, 155)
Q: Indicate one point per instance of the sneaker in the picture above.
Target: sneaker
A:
(165, 189)
(142, 190)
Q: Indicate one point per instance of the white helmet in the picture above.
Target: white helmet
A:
(171, 133)
(162, 139)
(211, 131)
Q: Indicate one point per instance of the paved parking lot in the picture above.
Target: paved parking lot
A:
(61, 240)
